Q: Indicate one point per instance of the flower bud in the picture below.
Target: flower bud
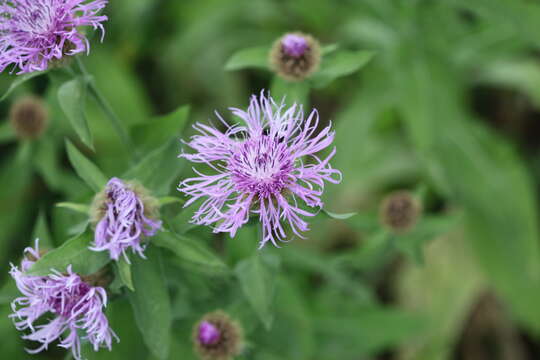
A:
(217, 337)
(400, 211)
(295, 56)
(29, 117)
(124, 215)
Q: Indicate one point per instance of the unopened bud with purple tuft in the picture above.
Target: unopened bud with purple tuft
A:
(209, 334)
(295, 56)
(217, 337)
(124, 215)
(35, 33)
(76, 308)
(294, 45)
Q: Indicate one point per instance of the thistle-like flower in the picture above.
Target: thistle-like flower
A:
(264, 167)
(35, 32)
(124, 215)
(295, 56)
(217, 337)
(76, 308)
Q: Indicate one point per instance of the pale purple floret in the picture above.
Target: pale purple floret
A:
(124, 224)
(294, 45)
(34, 32)
(264, 167)
(208, 333)
(76, 308)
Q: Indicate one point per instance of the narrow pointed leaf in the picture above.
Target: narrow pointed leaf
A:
(73, 252)
(72, 96)
(257, 276)
(86, 170)
(255, 57)
(151, 303)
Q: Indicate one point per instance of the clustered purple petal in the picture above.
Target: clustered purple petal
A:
(34, 32)
(264, 167)
(294, 45)
(208, 333)
(124, 224)
(77, 308)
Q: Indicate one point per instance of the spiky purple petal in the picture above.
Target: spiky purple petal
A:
(124, 224)
(34, 32)
(263, 167)
(77, 308)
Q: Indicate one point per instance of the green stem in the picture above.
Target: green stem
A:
(106, 107)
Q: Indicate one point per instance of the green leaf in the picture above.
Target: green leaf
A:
(86, 170)
(257, 276)
(168, 200)
(124, 270)
(328, 49)
(369, 330)
(158, 169)
(80, 208)
(20, 79)
(73, 252)
(7, 133)
(154, 133)
(72, 97)
(340, 64)
(337, 216)
(41, 232)
(151, 303)
(290, 91)
(255, 57)
(190, 252)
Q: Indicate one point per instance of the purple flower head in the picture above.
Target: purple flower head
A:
(294, 45)
(209, 334)
(34, 32)
(124, 213)
(76, 308)
(264, 167)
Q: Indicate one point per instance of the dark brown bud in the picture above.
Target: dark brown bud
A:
(400, 211)
(29, 117)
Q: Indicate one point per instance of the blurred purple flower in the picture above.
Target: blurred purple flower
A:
(77, 308)
(294, 45)
(124, 223)
(263, 167)
(34, 32)
(208, 333)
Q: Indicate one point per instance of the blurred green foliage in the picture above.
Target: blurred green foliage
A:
(425, 113)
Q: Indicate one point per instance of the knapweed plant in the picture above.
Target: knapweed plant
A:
(267, 180)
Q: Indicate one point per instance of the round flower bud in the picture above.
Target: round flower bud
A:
(29, 117)
(400, 211)
(295, 56)
(217, 337)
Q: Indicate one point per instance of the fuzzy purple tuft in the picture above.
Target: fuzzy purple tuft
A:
(208, 333)
(294, 45)
(35, 32)
(124, 223)
(76, 308)
(264, 168)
